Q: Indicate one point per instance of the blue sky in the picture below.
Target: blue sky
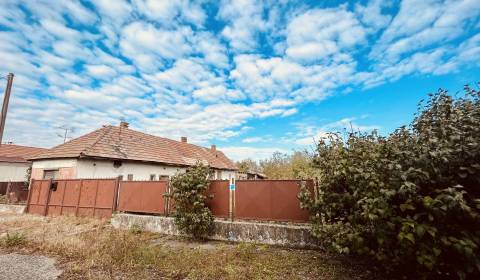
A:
(253, 77)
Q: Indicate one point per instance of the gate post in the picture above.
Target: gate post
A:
(45, 210)
(29, 197)
(116, 194)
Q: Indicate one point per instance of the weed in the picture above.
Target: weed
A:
(13, 240)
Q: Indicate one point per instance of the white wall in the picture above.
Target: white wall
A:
(89, 168)
(141, 171)
(54, 163)
(13, 171)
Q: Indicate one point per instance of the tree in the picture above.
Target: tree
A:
(247, 165)
(284, 166)
(192, 216)
(410, 200)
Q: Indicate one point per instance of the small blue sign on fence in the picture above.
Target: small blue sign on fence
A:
(232, 187)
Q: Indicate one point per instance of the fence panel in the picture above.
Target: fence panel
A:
(274, 200)
(142, 196)
(219, 202)
(86, 198)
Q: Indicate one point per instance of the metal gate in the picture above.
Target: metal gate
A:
(78, 197)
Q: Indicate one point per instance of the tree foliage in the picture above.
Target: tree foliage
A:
(192, 216)
(412, 199)
(284, 166)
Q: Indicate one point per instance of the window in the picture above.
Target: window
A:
(120, 178)
(163, 177)
(152, 177)
(130, 177)
(50, 174)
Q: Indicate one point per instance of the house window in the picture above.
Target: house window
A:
(219, 174)
(50, 174)
(120, 178)
(130, 177)
(152, 177)
(163, 177)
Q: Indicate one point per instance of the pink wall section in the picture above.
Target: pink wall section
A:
(64, 173)
(67, 173)
(37, 173)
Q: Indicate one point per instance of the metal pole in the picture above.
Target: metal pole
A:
(6, 98)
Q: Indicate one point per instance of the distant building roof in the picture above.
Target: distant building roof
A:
(122, 143)
(17, 153)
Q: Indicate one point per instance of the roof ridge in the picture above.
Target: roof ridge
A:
(100, 137)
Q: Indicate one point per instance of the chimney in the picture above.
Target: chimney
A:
(183, 139)
(123, 124)
(213, 148)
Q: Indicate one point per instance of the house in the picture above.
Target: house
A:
(251, 175)
(114, 151)
(13, 162)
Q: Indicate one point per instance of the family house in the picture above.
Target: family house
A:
(114, 151)
(13, 162)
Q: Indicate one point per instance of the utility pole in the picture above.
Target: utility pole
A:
(6, 99)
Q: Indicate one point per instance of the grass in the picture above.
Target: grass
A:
(91, 249)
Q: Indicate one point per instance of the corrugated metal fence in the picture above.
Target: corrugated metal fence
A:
(269, 200)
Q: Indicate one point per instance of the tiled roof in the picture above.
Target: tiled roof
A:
(115, 142)
(16, 153)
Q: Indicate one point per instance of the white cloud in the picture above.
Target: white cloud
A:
(245, 21)
(252, 140)
(101, 71)
(242, 152)
(320, 33)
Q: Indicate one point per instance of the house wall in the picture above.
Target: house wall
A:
(66, 168)
(141, 171)
(13, 171)
(89, 168)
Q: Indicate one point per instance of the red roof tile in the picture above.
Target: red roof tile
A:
(16, 153)
(114, 142)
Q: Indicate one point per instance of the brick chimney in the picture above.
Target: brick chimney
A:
(123, 124)
(213, 148)
(183, 139)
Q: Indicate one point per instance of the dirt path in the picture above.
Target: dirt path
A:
(26, 267)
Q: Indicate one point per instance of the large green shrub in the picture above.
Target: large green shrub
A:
(192, 216)
(412, 199)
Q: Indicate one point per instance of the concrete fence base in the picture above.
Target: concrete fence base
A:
(12, 209)
(238, 231)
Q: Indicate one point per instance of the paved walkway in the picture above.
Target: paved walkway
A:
(26, 267)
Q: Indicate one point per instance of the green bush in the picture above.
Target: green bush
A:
(192, 216)
(412, 199)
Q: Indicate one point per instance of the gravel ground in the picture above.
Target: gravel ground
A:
(26, 267)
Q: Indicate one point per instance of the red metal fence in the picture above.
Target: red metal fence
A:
(143, 197)
(15, 192)
(87, 197)
(270, 200)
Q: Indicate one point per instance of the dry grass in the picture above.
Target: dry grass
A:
(91, 249)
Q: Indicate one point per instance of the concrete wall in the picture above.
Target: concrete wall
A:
(12, 209)
(89, 168)
(13, 171)
(290, 235)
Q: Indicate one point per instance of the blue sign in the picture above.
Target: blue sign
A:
(232, 187)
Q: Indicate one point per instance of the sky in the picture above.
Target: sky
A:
(252, 77)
